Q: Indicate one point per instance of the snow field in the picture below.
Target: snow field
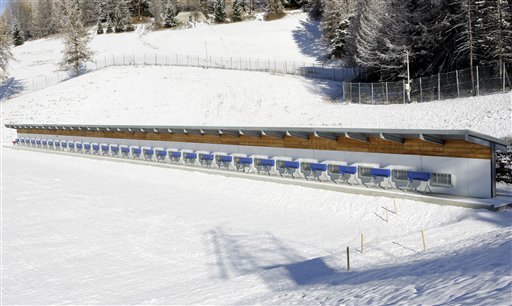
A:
(292, 38)
(85, 231)
(196, 96)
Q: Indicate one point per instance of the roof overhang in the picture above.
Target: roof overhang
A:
(394, 135)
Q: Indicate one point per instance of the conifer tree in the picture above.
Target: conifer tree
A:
(17, 36)
(220, 11)
(275, 9)
(170, 20)
(99, 30)
(237, 10)
(5, 48)
(76, 51)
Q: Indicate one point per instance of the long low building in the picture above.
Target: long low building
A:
(457, 162)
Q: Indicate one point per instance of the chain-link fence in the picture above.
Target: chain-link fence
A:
(456, 84)
(14, 87)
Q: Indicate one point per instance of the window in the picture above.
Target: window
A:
(364, 171)
(441, 180)
(400, 175)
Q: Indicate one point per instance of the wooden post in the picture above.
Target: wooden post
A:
(423, 239)
(348, 259)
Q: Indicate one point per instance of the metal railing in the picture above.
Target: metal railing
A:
(456, 84)
(14, 87)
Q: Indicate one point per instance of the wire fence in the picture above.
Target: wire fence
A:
(14, 87)
(456, 84)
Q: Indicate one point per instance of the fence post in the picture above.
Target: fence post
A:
(344, 89)
(477, 82)
(387, 96)
(350, 92)
(421, 91)
(359, 92)
(457, 77)
(348, 259)
(504, 76)
(439, 86)
(372, 94)
(403, 89)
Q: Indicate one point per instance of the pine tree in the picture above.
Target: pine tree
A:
(338, 43)
(275, 9)
(76, 51)
(100, 28)
(170, 20)
(237, 11)
(220, 11)
(17, 36)
(122, 18)
(5, 48)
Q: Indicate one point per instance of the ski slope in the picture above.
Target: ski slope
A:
(82, 231)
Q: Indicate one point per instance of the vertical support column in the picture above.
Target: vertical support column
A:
(493, 170)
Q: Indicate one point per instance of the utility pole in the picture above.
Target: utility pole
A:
(470, 34)
(408, 84)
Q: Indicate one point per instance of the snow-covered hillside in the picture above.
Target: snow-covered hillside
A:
(293, 38)
(196, 96)
(84, 231)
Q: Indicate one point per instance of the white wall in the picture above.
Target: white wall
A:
(471, 177)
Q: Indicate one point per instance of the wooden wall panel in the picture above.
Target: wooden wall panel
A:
(451, 148)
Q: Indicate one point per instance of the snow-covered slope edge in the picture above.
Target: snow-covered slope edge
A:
(195, 96)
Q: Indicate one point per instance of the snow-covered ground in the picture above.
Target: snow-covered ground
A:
(196, 96)
(83, 231)
(292, 38)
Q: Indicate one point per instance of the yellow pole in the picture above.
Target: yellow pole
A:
(423, 239)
